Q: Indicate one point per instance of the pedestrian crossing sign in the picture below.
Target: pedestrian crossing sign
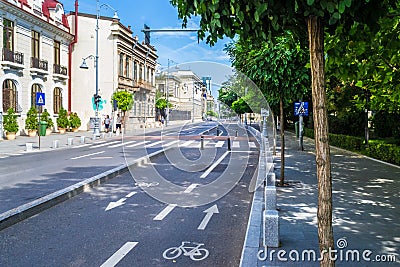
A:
(301, 108)
(40, 99)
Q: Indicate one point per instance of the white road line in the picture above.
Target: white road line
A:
(138, 144)
(102, 158)
(190, 188)
(155, 143)
(204, 143)
(164, 212)
(187, 143)
(119, 255)
(88, 155)
(252, 145)
(212, 167)
(235, 144)
(105, 144)
(122, 144)
(220, 144)
(83, 145)
(171, 143)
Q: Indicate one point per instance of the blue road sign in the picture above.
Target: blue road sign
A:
(40, 99)
(301, 108)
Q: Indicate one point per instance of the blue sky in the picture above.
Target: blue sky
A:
(179, 47)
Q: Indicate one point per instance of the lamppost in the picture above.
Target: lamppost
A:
(96, 130)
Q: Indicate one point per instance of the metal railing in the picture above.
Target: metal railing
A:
(59, 69)
(13, 56)
(39, 64)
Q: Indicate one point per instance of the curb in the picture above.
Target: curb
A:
(36, 206)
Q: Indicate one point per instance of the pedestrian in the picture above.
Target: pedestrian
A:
(118, 123)
(107, 123)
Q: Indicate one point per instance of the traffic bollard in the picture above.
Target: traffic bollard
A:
(229, 143)
(202, 142)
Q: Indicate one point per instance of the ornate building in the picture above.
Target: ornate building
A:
(123, 64)
(34, 57)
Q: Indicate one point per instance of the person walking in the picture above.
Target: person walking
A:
(118, 124)
(107, 123)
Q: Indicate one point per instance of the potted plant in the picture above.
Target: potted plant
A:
(74, 121)
(62, 121)
(10, 124)
(45, 116)
(31, 122)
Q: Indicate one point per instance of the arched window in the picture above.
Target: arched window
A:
(36, 89)
(9, 95)
(57, 100)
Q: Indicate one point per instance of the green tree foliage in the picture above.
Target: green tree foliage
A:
(262, 19)
(124, 100)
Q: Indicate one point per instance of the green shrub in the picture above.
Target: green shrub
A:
(31, 122)
(74, 120)
(62, 120)
(45, 116)
(10, 122)
(386, 152)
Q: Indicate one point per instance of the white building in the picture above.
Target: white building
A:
(185, 92)
(123, 64)
(35, 55)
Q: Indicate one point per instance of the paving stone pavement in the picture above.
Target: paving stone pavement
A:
(366, 210)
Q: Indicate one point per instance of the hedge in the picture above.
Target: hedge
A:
(378, 150)
(386, 152)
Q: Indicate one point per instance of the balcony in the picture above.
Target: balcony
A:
(39, 67)
(12, 59)
(60, 72)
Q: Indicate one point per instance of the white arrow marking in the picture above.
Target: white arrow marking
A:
(164, 212)
(120, 202)
(210, 212)
(117, 256)
(115, 204)
(190, 188)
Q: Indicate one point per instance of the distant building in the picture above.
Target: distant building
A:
(123, 64)
(185, 91)
(34, 57)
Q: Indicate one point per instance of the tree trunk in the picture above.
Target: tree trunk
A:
(325, 230)
(282, 180)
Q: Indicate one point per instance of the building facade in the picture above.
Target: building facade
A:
(185, 91)
(35, 54)
(123, 64)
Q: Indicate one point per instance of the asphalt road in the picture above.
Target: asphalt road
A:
(137, 219)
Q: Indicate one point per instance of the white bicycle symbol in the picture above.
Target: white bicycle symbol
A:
(144, 184)
(194, 252)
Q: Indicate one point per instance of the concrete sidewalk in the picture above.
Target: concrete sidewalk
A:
(366, 211)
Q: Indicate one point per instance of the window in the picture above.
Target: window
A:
(57, 100)
(127, 69)
(35, 44)
(9, 95)
(57, 46)
(121, 64)
(8, 35)
(36, 89)
(135, 70)
(140, 72)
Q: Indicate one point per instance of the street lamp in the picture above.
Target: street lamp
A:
(96, 130)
